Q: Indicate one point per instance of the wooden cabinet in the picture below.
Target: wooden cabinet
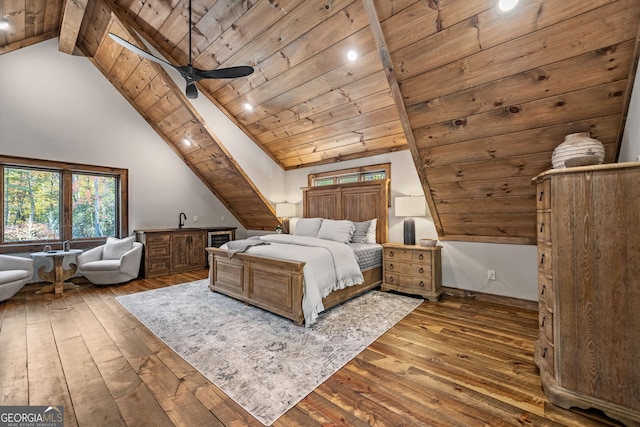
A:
(170, 251)
(415, 270)
(187, 250)
(588, 229)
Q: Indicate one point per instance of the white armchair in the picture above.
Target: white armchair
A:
(117, 261)
(14, 273)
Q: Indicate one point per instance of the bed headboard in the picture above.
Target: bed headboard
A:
(359, 201)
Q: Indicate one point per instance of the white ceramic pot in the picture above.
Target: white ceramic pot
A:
(580, 149)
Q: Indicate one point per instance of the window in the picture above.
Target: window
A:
(94, 210)
(346, 176)
(31, 205)
(45, 201)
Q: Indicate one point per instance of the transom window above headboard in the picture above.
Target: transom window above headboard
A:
(348, 176)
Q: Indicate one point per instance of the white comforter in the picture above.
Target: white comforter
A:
(329, 266)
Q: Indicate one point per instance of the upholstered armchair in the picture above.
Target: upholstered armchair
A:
(117, 261)
(14, 273)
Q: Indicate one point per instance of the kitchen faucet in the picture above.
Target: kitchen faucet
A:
(180, 223)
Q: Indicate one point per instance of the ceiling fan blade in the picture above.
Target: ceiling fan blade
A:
(139, 51)
(225, 73)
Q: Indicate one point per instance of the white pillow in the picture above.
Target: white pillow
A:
(307, 227)
(336, 230)
(371, 233)
(115, 248)
(361, 230)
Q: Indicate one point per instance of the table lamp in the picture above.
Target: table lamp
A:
(409, 207)
(285, 211)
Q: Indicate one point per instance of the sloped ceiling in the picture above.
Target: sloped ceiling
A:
(480, 98)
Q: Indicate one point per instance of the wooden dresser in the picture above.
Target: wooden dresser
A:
(415, 270)
(588, 352)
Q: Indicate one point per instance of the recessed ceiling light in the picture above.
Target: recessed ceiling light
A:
(248, 106)
(4, 24)
(352, 55)
(507, 5)
(187, 142)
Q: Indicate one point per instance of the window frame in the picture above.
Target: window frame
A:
(359, 171)
(66, 171)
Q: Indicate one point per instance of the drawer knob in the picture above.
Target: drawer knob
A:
(421, 270)
(544, 320)
(541, 227)
(421, 257)
(544, 287)
(390, 266)
(544, 352)
(421, 284)
(542, 259)
(390, 253)
(391, 279)
(541, 195)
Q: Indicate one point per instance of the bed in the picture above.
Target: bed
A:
(277, 285)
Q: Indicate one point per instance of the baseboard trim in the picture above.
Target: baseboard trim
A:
(497, 299)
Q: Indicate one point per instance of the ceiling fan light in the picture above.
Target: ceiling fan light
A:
(4, 24)
(192, 91)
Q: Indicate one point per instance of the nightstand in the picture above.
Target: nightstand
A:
(413, 269)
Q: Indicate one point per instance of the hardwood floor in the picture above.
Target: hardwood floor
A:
(458, 362)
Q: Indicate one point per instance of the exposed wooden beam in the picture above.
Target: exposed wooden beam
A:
(385, 57)
(27, 42)
(72, 16)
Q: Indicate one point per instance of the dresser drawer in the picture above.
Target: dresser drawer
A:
(395, 254)
(545, 290)
(421, 271)
(545, 318)
(422, 258)
(158, 250)
(397, 267)
(158, 267)
(544, 227)
(422, 284)
(158, 238)
(547, 354)
(544, 195)
(545, 259)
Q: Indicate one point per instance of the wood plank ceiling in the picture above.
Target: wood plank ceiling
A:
(480, 98)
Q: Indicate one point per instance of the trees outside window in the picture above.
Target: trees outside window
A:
(44, 201)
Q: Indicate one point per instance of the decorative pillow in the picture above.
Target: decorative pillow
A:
(360, 232)
(371, 233)
(307, 227)
(115, 248)
(337, 230)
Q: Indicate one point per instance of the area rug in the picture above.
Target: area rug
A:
(262, 361)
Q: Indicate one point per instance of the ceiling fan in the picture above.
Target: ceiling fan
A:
(190, 73)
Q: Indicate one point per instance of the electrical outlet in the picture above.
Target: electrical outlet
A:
(222, 218)
(195, 218)
(491, 274)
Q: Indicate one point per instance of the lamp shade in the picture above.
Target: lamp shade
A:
(285, 210)
(409, 206)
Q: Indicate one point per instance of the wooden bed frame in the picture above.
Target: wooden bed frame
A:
(276, 285)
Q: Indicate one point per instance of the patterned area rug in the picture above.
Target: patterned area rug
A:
(262, 361)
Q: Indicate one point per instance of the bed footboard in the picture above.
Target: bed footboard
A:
(272, 284)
